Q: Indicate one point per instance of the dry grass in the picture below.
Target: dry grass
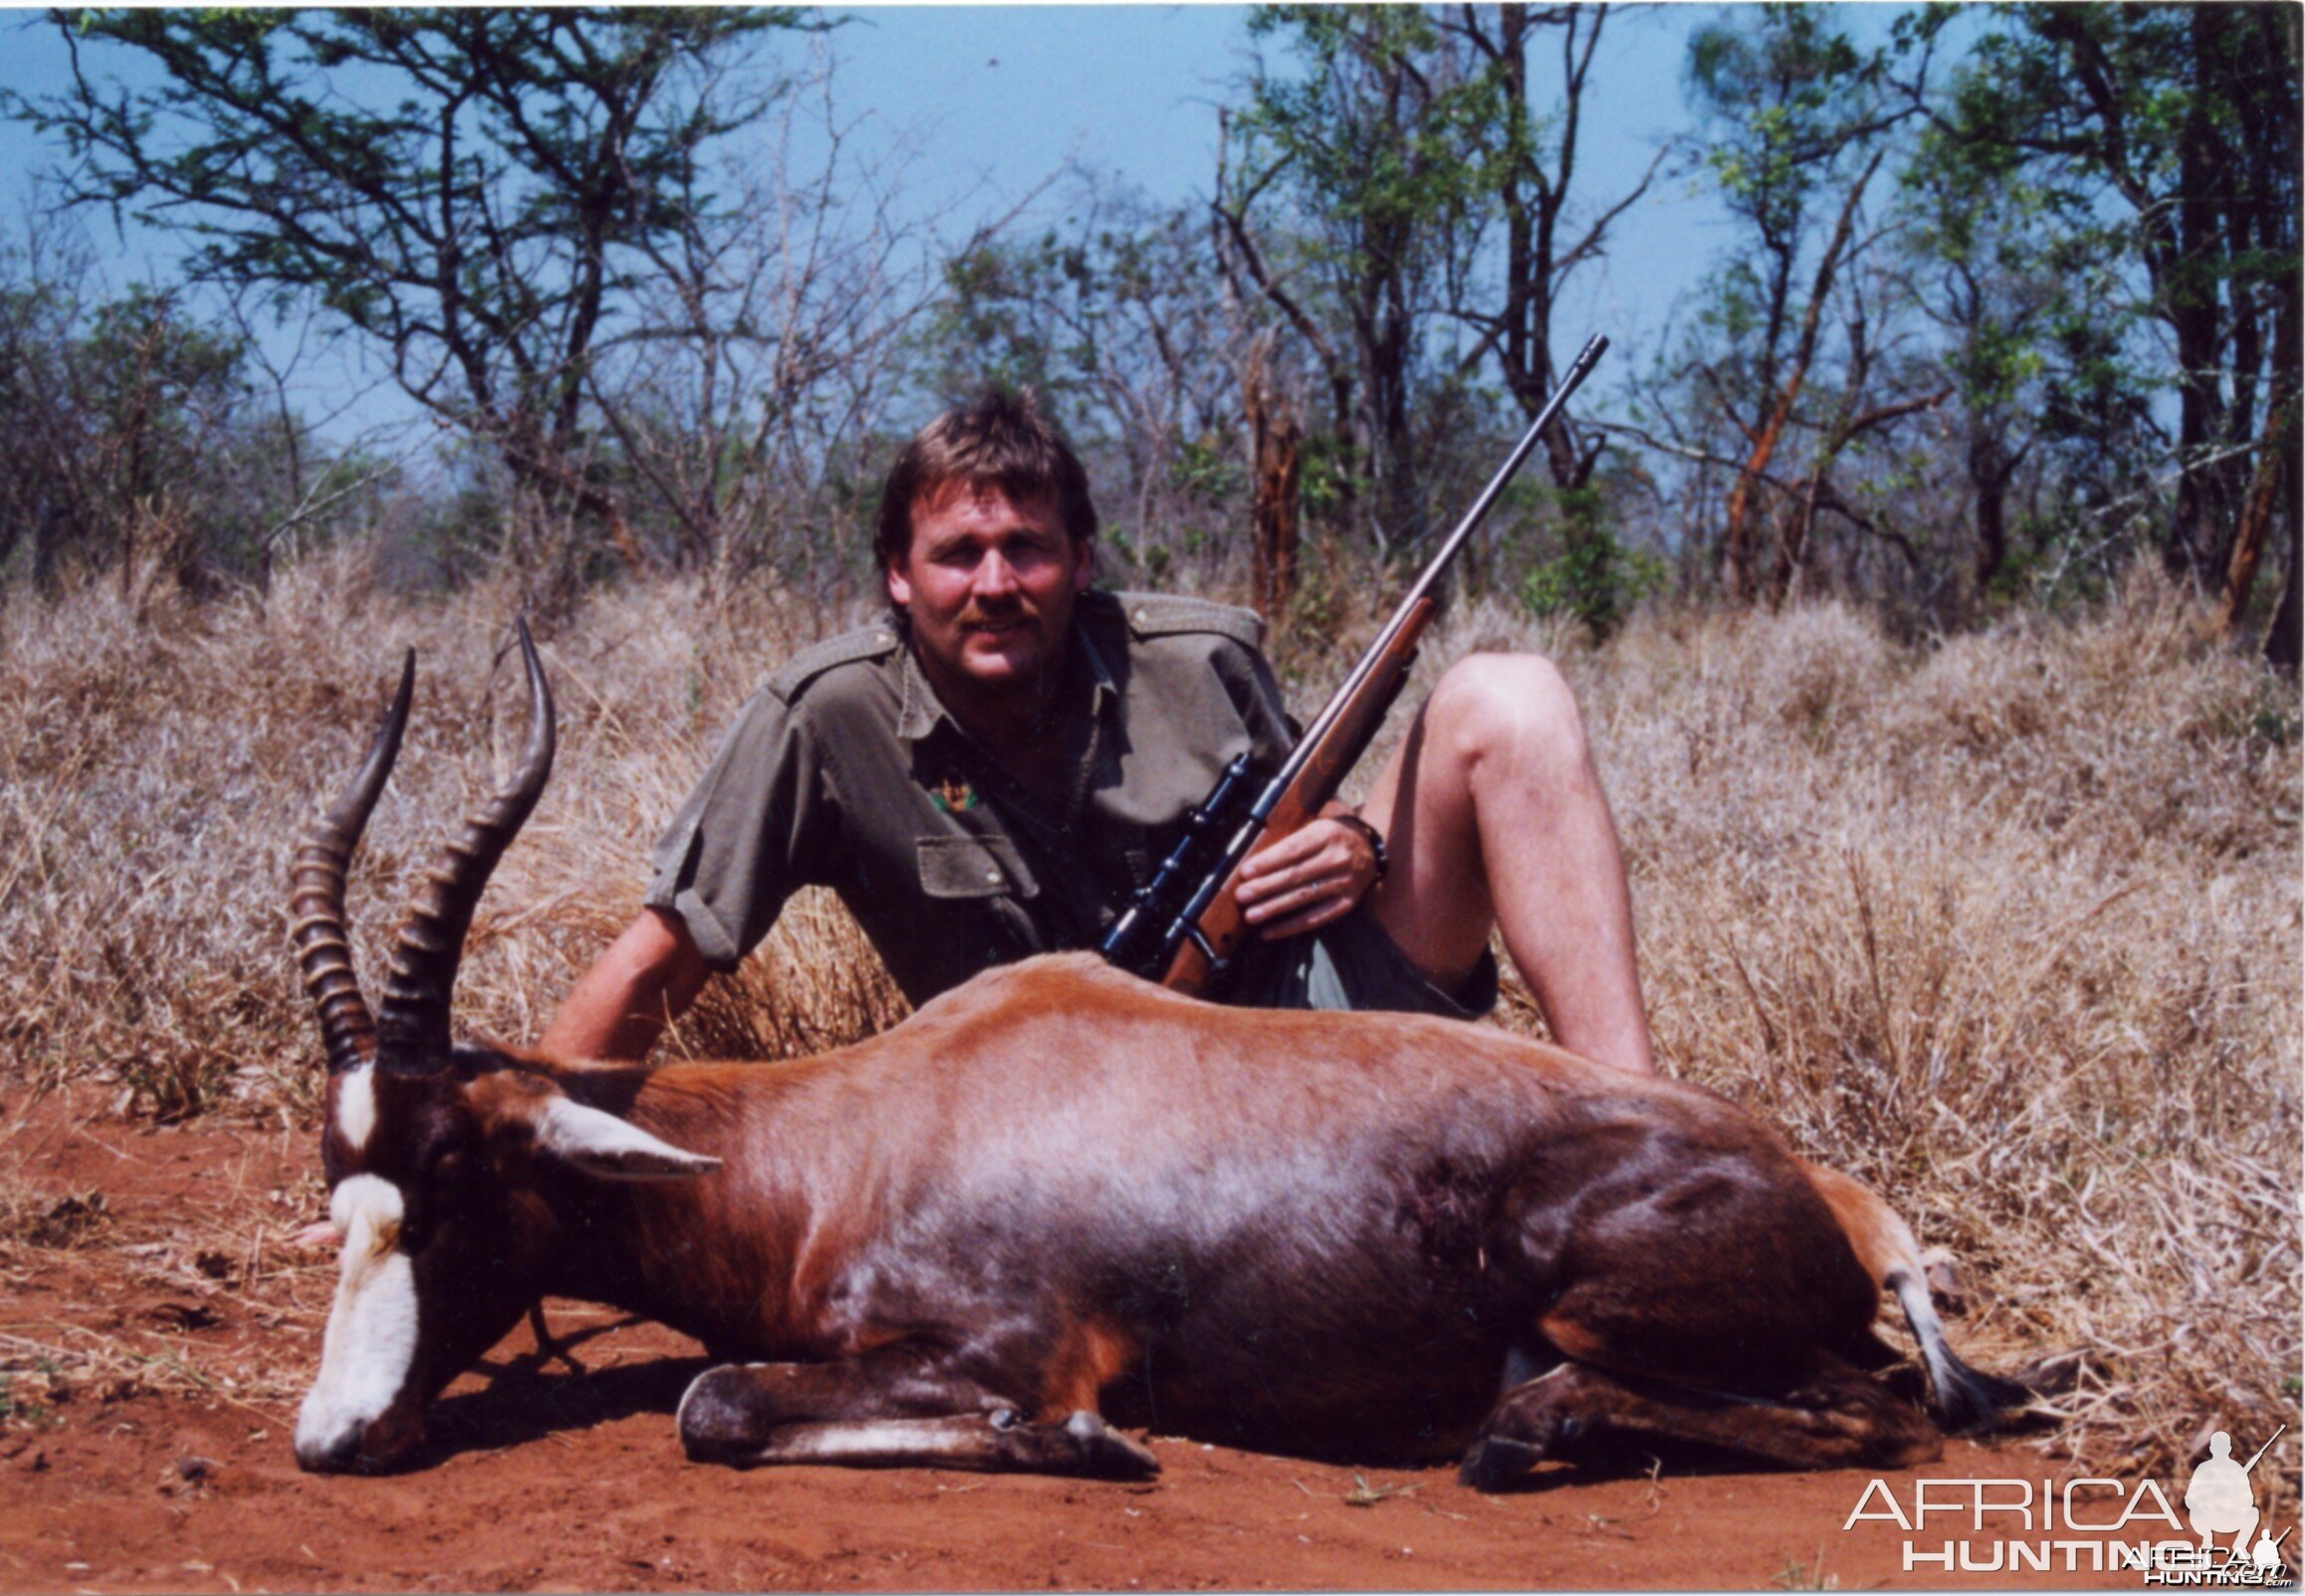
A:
(2009, 927)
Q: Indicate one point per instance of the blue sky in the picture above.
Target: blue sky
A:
(991, 101)
(1005, 94)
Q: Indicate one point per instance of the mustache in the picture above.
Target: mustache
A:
(998, 612)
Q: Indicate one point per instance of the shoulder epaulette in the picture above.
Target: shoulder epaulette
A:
(1168, 614)
(865, 642)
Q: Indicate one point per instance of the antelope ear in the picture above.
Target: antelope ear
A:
(600, 1143)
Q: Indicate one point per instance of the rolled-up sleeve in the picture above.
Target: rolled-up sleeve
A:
(762, 823)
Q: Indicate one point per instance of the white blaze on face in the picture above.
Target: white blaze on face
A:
(371, 1340)
(356, 1105)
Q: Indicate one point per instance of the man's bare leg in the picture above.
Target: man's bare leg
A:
(1493, 816)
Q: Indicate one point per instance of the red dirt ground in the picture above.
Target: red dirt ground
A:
(158, 1346)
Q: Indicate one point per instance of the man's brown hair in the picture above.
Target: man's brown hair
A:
(999, 439)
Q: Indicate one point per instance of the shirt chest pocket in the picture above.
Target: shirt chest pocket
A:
(973, 868)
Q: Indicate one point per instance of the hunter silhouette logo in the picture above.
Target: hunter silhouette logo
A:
(2221, 1499)
(2090, 1524)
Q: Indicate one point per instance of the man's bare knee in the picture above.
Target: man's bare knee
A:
(1516, 705)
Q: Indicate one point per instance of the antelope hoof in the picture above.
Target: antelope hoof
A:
(1105, 1452)
(1494, 1462)
(713, 1423)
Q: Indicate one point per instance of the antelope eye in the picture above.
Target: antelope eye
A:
(448, 1170)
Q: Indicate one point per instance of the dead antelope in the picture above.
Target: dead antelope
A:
(1060, 1195)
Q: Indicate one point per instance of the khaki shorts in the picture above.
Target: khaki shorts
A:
(1355, 964)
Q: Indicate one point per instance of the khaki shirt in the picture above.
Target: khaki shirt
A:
(845, 771)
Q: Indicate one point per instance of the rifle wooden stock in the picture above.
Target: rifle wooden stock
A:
(1190, 911)
(1222, 927)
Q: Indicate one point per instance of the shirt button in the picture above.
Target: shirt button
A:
(992, 875)
(1141, 616)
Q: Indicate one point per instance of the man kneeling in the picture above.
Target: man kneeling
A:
(996, 768)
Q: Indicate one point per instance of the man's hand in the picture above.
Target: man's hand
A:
(1306, 880)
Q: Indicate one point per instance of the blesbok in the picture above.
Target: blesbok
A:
(1060, 1194)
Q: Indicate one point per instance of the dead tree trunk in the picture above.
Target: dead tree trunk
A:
(2257, 516)
(1277, 432)
(2287, 633)
(1739, 539)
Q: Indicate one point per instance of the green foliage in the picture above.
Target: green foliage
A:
(518, 208)
(1595, 579)
(1112, 317)
(1788, 95)
(1324, 476)
(1372, 155)
(2152, 149)
(1002, 320)
(1780, 363)
(2052, 303)
(523, 132)
(1088, 314)
(1209, 467)
(1793, 110)
(1143, 565)
(2043, 320)
(1374, 142)
(486, 205)
(129, 435)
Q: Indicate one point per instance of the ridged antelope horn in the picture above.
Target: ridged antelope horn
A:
(316, 894)
(413, 1015)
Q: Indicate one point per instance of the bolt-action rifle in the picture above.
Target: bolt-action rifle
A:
(1184, 928)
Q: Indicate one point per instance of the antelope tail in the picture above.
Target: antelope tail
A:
(1961, 1398)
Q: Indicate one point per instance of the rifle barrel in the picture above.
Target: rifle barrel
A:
(1136, 922)
(2262, 1451)
(1578, 369)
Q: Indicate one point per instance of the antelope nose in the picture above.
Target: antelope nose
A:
(339, 1454)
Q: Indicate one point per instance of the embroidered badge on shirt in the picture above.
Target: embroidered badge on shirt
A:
(952, 795)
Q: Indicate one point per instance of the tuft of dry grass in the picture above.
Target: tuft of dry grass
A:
(2009, 927)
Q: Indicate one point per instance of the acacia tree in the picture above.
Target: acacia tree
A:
(1362, 163)
(1113, 317)
(1800, 117)
(2171, 133)
(484, 210)
(2053, 415)
(1525, 195)
(762, 349)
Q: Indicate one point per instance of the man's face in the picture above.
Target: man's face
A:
(989, 586)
